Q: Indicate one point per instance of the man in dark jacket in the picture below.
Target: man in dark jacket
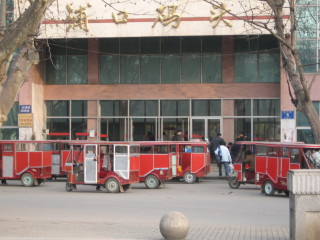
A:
(215, 143)
(177, 136)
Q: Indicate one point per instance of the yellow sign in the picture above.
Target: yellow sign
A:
(25, 120)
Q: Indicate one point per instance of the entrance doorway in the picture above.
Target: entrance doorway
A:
(205, 127)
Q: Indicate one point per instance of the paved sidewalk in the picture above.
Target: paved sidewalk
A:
(120, 231)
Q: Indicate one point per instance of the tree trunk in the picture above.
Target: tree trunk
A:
(294, 70)
(19, 37)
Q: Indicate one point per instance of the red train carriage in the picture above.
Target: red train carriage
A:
(192, 160)
(28, 161)
(111, 165)
(155, 163)
(272, 161)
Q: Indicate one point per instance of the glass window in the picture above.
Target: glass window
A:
(12, 118)
(307, 51)
(175, 108)
(21, 147)
(245, 43)
(191, 68)
(161, 149)
(269, 70)
(114, 108)
(121, 149)
(266, 107)
(211, 44)
(79, 108)
(129, 46)
(284, 152)
(57, 47)
(190, 44)
(57, 108)
(211, 68)
(56, 70)
(150, 45)
(206, 107)
(246, 67)
(109, 45)
(266, 129)
(294, 155)
(305, 135)
(268, 42)
(150, 69)
(58, 125)
(170, 45)
(261, 150)
(78, 126)
(146, 149)
(302, 120)
(170, 69)
(242, 107)
(77, 69)
(130, 66)
(306, 21)
(9, 133)
(109, 69)
(8, 147)
(197, 149)
(242, 125)
(143, 108)
(272, 151)
(77, 46)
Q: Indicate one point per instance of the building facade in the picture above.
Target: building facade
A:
(125, 71)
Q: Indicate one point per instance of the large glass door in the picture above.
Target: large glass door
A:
(171, 125)
(204, 127)
(114, 129)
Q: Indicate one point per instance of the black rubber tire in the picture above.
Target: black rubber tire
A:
(69, 187)
(189, 177)
(286, 192)
(112, 185)
(27, 180)
(234, 183)
(268, 188)
(152, 182)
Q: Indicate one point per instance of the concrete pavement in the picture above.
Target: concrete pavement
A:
(18, 228)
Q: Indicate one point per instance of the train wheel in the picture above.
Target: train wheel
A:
(286, 192)
(112, 185)
(268, 188)
(27, 180)
(189, 177)
(234, 183)
(152, 182)
(69, 187)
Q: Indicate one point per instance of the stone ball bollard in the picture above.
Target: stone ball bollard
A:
(174, 226)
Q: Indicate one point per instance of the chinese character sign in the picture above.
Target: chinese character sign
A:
(167, 15)
(77, 18)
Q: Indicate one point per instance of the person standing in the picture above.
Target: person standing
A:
(214, 144)
(225, 158)
(177, 136)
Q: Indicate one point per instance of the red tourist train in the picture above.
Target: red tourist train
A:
(112, 165)
(160, 161)
(28, 161)
(272, 161)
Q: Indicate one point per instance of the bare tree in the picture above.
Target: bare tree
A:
(278, 27)
(18, 52)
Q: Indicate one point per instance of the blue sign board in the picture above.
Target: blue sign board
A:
(25, 108)
(287, 114)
